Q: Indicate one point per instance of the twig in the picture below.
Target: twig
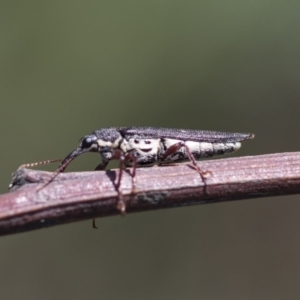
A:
(84, 195)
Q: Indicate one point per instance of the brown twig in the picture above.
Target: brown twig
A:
(84, 195)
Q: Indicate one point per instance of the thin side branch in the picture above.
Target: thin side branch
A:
(85, 195)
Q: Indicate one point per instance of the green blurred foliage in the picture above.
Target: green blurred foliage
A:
(70, 67)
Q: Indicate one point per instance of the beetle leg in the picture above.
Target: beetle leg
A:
(119, 155)
(174, 148)
(101, 166)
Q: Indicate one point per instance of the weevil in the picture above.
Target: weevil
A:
(146, 146)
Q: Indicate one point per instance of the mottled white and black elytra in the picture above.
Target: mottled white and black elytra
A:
(147, 146)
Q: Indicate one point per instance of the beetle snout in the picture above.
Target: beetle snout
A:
(71, 157)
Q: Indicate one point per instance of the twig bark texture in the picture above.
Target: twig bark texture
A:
(84, 195)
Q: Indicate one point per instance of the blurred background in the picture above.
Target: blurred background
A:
(70, 67)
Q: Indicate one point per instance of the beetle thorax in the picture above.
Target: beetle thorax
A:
(113, 144)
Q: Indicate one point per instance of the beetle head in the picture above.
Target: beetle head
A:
(86, 144)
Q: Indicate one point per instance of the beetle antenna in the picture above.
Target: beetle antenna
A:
(40, 163)
(60, 169)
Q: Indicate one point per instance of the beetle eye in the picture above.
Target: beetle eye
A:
(87, 143)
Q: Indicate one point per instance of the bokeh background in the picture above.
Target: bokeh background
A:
(70, 67)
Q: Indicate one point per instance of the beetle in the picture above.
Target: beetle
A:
(147, 146)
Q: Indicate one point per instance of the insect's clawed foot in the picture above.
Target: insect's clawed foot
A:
(94, 224)
(133, 185)
(206, 174)
(121, 207)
